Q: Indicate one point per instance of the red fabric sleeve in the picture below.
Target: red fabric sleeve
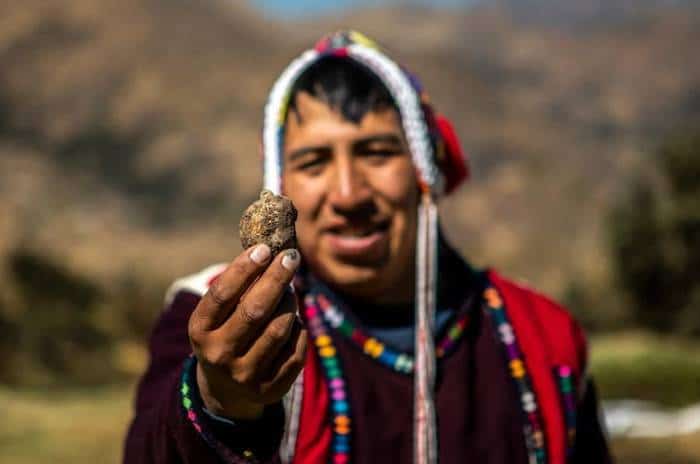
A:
(551, 337)
(314, 439)
(541, 339)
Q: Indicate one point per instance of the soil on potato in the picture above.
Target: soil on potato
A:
(269, 220)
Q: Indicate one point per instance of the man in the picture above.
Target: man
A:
(398, 365)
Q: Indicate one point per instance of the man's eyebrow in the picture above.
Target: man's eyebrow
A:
(382, 138)
(379, 138)
(296, 154)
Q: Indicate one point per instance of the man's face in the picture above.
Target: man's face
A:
(355, 189)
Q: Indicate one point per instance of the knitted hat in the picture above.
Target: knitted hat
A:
(440, 167)
(440, 163)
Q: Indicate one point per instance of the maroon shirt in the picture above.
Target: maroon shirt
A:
(479, 418)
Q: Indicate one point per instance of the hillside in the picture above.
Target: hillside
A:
(129, 129)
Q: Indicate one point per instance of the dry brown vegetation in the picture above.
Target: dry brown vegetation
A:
(129, 134)
(129, 129)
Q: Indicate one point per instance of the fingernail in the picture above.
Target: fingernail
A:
(260, 254)
(290, 260)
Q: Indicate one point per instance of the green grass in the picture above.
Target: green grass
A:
(665, 370)
(82, 426)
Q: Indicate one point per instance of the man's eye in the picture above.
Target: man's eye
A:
(312, 165)
(381, 153)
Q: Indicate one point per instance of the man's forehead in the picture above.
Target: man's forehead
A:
(310, 110)
(308, 107)
(316, 123)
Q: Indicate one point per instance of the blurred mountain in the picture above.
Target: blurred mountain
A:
(129, 129)
(588, 13)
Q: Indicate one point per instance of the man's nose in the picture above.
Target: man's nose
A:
(351, 191)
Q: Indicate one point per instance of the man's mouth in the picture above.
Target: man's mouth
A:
(353, 241)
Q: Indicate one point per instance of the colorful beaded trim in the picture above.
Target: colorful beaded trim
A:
(340, 406)
(534, 436)
(568, 395)
(319, 309)
(400, 362)
(192, 405)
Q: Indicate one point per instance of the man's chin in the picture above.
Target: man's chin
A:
(356, 277)
(365, 282)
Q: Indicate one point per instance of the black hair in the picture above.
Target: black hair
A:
(346, 86)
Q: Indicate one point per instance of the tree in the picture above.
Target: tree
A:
(655, 239)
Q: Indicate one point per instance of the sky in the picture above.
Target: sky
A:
(301, 8)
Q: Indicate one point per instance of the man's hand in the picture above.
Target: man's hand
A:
(245, 334)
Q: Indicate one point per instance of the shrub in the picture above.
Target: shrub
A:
(655, 239)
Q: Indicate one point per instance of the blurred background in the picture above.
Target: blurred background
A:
(129, 145)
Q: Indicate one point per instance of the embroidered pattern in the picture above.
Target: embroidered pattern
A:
(494, 307)
(567, 390)
(319, 312)
(400, 362)
(192, 405)
(340, 406)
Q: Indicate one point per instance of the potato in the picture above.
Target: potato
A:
(269, 220)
